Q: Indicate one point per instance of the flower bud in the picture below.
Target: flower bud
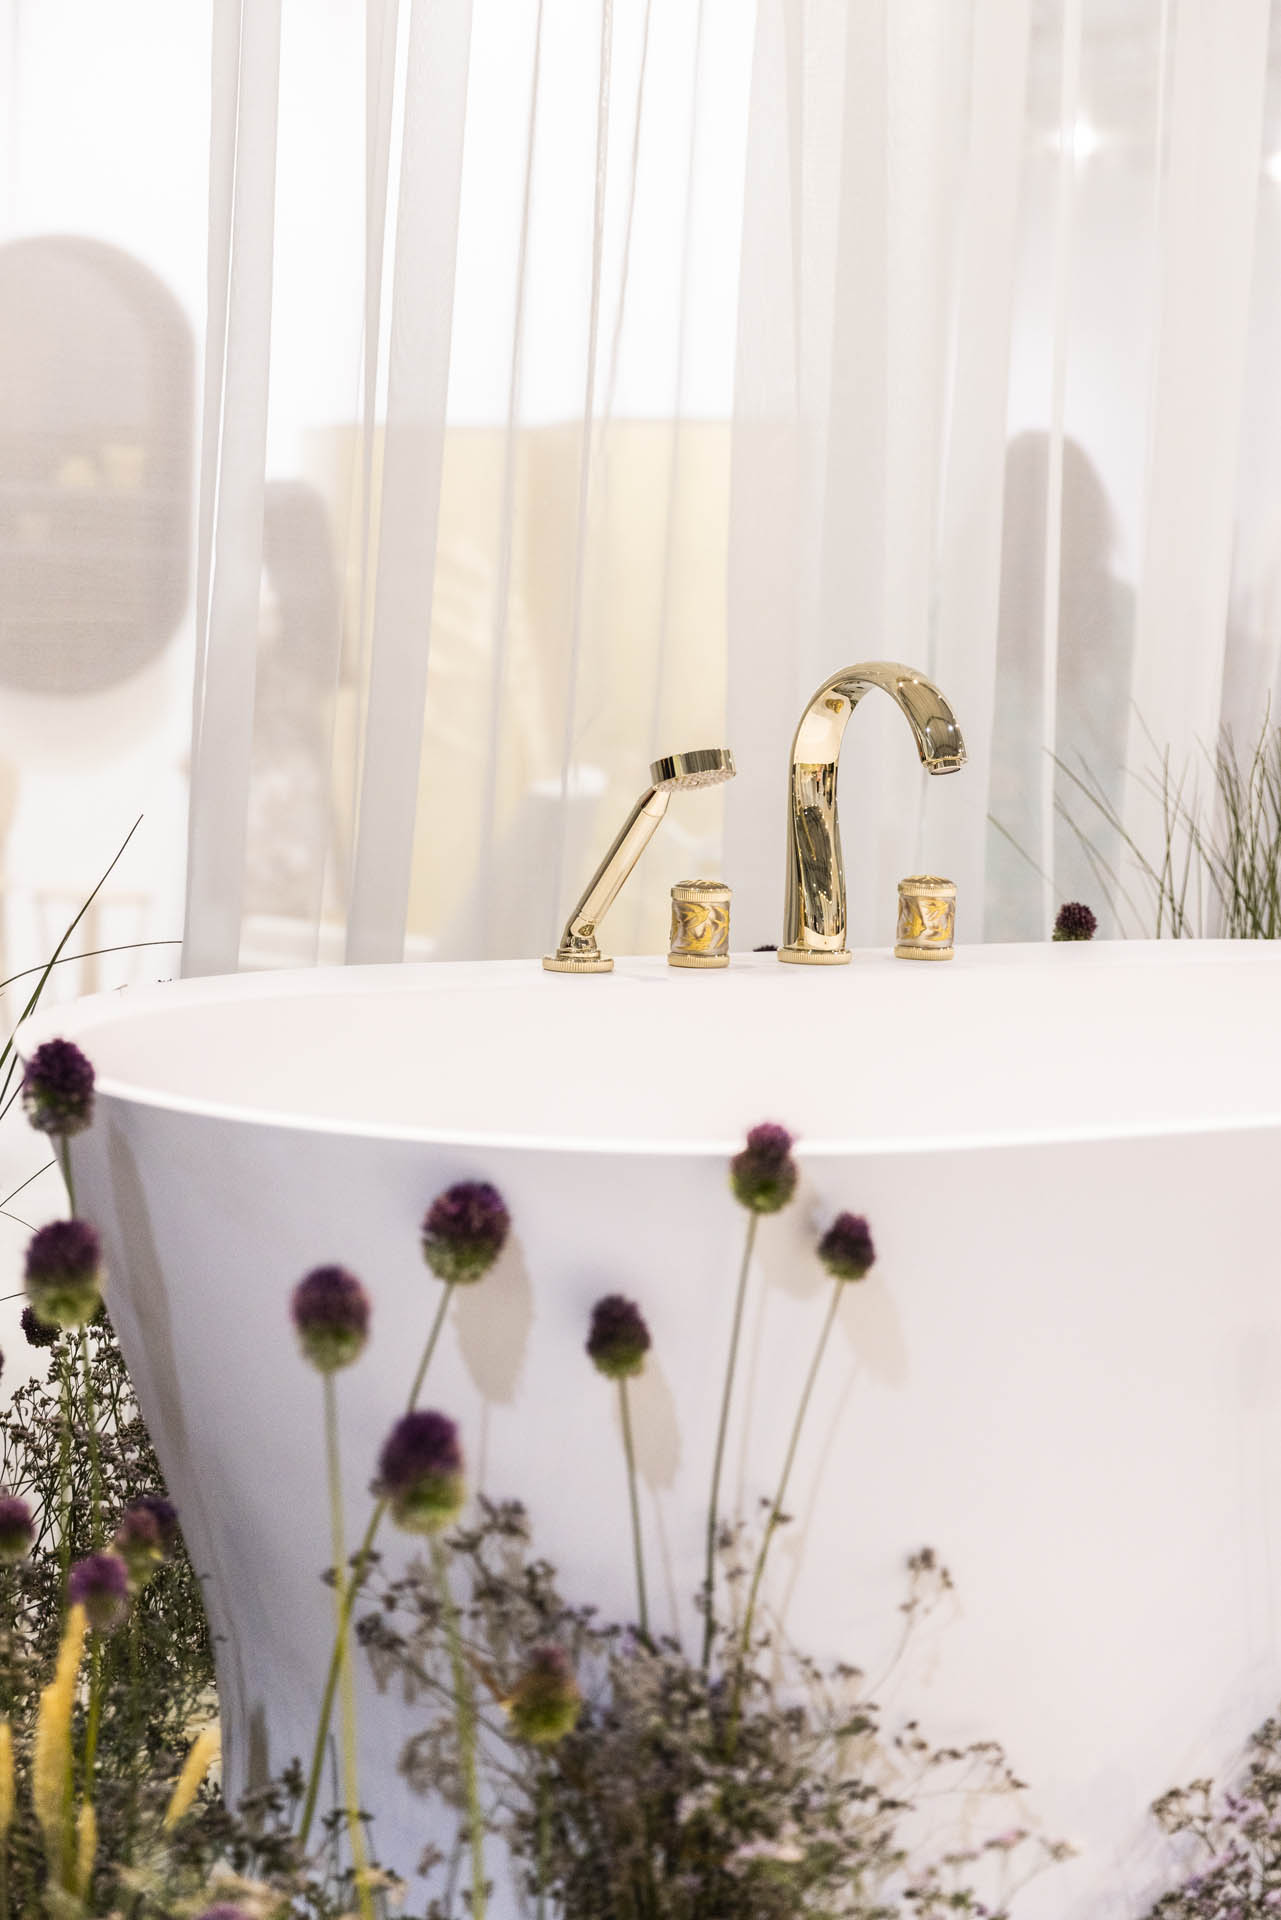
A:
(331, 1317)
(57, 1092)
(38, 1334)
(420, 1472)
(64, 1273)
(100, 1584)
(763, 1175)
(145, 1539)
(1075, 922)
(17, 1529)
(545, 1703)
(619, 1339)
(846, 1248)
(465, 1231)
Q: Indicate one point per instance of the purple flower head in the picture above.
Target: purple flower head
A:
(331, 1317)
(145, 1539)
(223, 1911)
(38, 1334)
(420, 1472)
(100, 1584)
(763, 1175)
(17, 1529)
(1075, 922)
(64, 1272)
(545, 1703)
(465, 1231)
(619, 1339)
(165, 1515)
(57, 1092)
(846, 1248)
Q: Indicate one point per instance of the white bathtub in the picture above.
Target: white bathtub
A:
(1064, 1373)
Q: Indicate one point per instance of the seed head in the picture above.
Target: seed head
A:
(1075, 922)
(545, 1702)
(420, 1472)
(57, 1092)
(100, 1584)
(763, 1175)
(145, 1539)
(17, 1529)
(64, 1273)
(846, 1248)
(38, 1334)
(619, 1339)
(465, 1231)
(331, 1318)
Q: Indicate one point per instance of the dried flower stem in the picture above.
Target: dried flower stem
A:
(351, 1786)
(95, 1462)
(630, 1451)
(713, 1515)
(465, 1709)
(64, 1467)
(353, 1585)
(776, 1510)
(544, 1839)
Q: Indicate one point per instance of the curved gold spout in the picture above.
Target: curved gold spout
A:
(814, 918)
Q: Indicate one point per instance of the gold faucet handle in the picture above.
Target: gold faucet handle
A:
(700, 924)
(926, 918)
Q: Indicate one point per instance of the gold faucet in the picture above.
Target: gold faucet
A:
(578, 951)
(814, 919)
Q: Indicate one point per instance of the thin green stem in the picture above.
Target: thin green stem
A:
(91, 1423)
(544, 1837)
(713, 1504)
(630, 1451)
(64, 1464)
(95, 1714)
(64, 1157)
(351, 1783)
(776, 1510)
(466, 1712)
(353, 1585)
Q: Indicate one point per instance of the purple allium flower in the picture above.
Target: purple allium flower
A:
(38, 1334)
(420, 1472)
(763, 1175)
(331, 1317)
(57, 1092)
(223, 1911)
(545, 1703)
(846, 1248)
(1075, 922)
(63, 1273)
(465, 1231)
(619, 1339)
(145, 1539)
(100, 1584)
(17, 1529)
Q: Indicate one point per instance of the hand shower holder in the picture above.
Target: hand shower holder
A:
(579, 951)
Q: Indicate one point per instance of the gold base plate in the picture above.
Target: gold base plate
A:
(815, 956)
(698, 959)
(923, 953)
(577, 963)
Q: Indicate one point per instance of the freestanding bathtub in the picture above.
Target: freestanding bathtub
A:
(1064, 1373)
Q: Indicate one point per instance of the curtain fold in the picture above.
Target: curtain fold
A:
(629, 368)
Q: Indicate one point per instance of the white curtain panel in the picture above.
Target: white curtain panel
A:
(589, 379)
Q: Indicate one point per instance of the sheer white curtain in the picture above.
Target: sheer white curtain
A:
(589, 381)
(465, 472)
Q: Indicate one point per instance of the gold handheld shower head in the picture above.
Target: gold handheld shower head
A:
(578, 951)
